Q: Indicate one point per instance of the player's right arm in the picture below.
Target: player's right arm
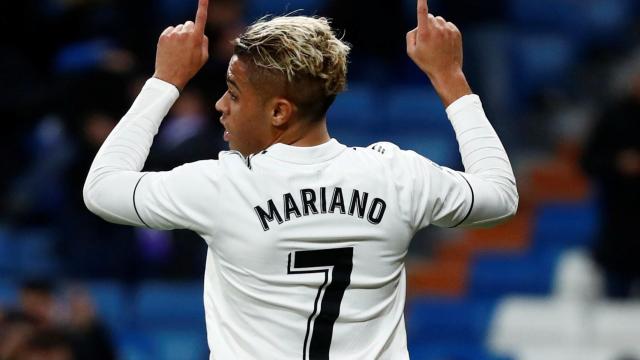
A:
(486, 192)
(115, 188)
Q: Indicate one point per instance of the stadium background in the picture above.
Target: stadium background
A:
(547, 71)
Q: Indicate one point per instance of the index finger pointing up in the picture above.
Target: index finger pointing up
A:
(423, 12)
(201, 16)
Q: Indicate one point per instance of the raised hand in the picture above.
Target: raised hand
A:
(183, 49)
(435, 45)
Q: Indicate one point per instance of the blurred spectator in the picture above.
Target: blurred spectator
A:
(88, 336)
(612, 158)
(37, 302)
(47, 345)
(15, 330)
(47, 327)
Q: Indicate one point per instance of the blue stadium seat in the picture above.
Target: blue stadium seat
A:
(175, 11)
(35, 253)
(496, 275)
(82, 56)
(556, 14)
(442, 320)
(135, 345)
(112, 303)
(451, 351)
(355, 109)
(439, 147)
(563, 225)
(8, 293)
(169, 306)
(416, 108)
(587, 22)
(183, 345)
(541, 61)
(8, 260)
(162, 345)
(259, 8)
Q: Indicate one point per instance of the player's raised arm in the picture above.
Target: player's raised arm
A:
(114, 182)
(486, 192)
(435, 45)
(183, 49)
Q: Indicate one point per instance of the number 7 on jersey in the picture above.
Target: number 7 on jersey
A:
(336, 264)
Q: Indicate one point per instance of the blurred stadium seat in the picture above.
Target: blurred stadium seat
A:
(160, 305)
(564, 225)
(587, 21)
(356, 109)
(135, 345)
(496, 275)
(452, 351)
(112, 303)
(7, 251)
(540, 60)
(183, 345)
(8, 292)
(412, 107)
(35, 253)
(448, 320)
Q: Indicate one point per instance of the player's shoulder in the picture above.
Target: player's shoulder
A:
(384, 147)
(383, 151)
(393, 157)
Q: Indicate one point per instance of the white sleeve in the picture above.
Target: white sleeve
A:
(117, 191)
(484, 194)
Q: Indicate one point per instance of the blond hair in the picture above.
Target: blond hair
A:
(303, 50)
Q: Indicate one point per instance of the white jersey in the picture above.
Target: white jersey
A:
(306, 245)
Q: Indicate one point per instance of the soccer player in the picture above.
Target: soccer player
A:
(306, 237)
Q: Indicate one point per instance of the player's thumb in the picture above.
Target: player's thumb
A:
(205, 48)
(411, 41)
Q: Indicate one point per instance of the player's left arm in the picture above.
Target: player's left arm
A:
(486, 192)
(115, 189)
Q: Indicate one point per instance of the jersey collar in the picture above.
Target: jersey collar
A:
(306, 154)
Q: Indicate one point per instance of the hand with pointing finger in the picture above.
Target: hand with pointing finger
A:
(435, 45)
(183, 50)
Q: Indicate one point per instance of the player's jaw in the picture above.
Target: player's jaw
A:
(244, 114)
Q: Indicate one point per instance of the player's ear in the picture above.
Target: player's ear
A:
(281, 111)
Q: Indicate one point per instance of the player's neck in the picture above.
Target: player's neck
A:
(305, 135)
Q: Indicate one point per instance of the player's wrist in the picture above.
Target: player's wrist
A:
(450, 85)
(176, 83)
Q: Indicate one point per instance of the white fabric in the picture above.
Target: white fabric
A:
(258, 298)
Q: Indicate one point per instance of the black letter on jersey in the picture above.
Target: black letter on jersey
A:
(308, 201)
(337, 201)
(290, 207)
(264, 216)
(376, 203)
(323, 200)
(360, 203)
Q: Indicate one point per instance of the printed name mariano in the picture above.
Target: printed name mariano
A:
(309, 202)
